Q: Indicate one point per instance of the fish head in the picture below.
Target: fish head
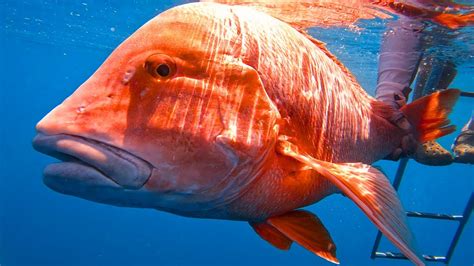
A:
(173, 119)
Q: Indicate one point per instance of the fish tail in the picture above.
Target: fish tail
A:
(431, 12)
(455, 21)
(429, 114)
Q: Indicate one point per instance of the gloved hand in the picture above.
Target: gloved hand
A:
(408, 143)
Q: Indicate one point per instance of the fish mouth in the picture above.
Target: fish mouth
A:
(91, 163)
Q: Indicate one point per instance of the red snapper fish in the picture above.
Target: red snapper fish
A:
(225, 112)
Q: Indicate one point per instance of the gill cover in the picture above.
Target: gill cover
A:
(250, 122)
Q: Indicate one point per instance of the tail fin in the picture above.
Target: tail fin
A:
(454, 21)
(429, 114)
(433, 10)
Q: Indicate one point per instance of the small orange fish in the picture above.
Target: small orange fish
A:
(225, 112)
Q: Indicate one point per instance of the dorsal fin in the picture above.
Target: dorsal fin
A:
(303, 14)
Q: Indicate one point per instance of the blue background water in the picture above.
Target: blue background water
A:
(48, 48)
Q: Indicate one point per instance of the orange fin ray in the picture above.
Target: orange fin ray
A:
(303, 14)
(301, 227)
(272, 235)
(371, 191)
(454, 21)
(429, 114)
(434, 10)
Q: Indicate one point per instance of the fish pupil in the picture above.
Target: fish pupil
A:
(163, 70)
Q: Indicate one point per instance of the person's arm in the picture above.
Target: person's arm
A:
(400, 55)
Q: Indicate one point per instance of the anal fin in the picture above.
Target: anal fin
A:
(272, 235)
(370, 190)
(301, 227)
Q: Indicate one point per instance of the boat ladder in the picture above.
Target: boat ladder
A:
(461, 219)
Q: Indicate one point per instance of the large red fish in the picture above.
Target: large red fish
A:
(224, 112)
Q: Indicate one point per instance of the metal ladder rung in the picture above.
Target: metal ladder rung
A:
(462, 219)
(467, 94)
(438, 216)
(400, 256)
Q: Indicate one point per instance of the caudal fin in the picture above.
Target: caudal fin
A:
(455, 21)
(429, 114)
(433, 10)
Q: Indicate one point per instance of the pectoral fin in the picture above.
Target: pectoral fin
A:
(301, 227)
(370, 190)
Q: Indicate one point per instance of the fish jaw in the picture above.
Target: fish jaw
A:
(94, 171)
(119, 166)
(99, 172)
(112, 164)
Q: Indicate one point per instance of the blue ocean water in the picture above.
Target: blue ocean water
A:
(48, 48)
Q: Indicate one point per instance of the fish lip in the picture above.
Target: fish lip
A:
(120, 166)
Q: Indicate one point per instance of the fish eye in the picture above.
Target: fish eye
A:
(163, 70)
(160, 66)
